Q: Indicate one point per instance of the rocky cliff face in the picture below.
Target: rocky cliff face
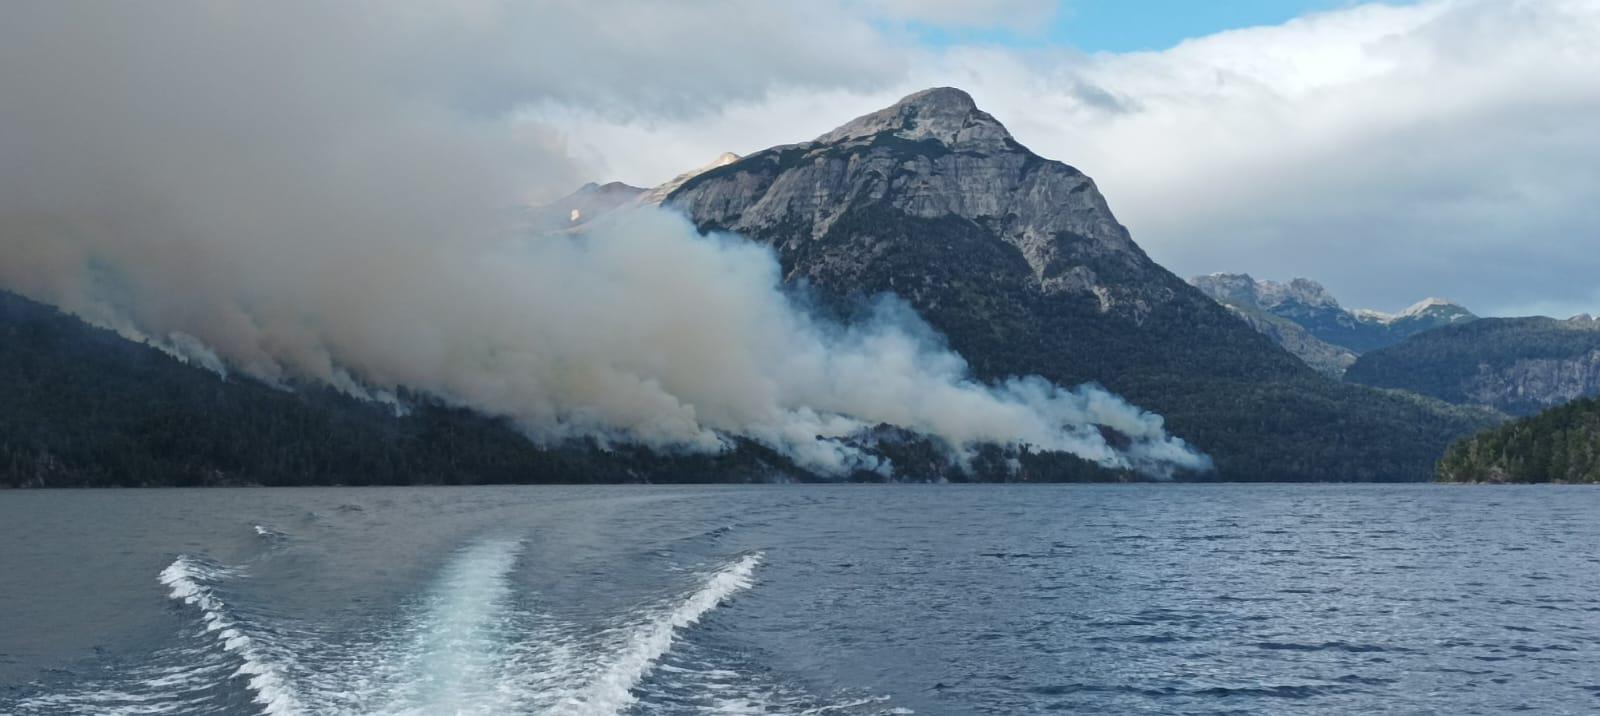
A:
(1019, 262)
(1515, 365)
(934, 156)
(1325, 358)
(1332, 335)
(1543, 382)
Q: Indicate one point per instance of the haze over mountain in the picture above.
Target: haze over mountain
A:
(1308, 321)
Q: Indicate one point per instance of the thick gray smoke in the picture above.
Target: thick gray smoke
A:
(265, 187)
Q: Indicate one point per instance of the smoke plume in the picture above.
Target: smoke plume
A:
(287, 191)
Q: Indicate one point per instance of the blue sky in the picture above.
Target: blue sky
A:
(1132, 25)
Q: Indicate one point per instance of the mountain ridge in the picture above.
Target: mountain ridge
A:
(1519, 366)
(1019, 262)
(1306, 319)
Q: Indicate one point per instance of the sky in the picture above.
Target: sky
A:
(1391, 151)
(1123, 26)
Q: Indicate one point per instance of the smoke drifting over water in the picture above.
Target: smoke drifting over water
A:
(334, 222)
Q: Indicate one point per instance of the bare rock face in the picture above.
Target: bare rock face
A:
(1515, 365)
(658, 194)
(934, 155)
(1323, 357)
(1541, 381)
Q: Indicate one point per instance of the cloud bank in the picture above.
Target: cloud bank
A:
(327, 192)
(1444, 147)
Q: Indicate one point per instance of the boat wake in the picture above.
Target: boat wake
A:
(471, 644)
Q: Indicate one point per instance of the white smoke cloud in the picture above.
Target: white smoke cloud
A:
(641, 331)
(323, 192)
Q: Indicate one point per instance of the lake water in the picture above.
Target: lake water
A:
(1149, 599)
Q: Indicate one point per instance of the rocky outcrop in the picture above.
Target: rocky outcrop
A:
(932, 156)
(1541, 381)
(1327, 359)
(658, 194)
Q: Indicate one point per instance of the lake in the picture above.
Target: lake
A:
(839, 599)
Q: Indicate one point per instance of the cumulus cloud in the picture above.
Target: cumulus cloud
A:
(327, 192)
(1440, 148)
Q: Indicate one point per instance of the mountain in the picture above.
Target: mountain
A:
(659, 194)
(1329, 337)
(1020, 263)
(1248, 299)
(594, 200)
(1515, 365)
(84, 407)
(589, 201)
(1559, 445)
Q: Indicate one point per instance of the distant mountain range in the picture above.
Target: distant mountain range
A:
(1308, 321)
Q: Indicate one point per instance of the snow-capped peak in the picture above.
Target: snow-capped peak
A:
(1417, 308)
(1412, 311)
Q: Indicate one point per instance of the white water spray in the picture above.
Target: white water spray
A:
(189, 581)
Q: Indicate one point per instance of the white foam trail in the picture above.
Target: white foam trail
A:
(611, 691)
(188, 579)
(459, 652)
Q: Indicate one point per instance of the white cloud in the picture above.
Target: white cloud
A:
(1392, 152)
(1016, 15)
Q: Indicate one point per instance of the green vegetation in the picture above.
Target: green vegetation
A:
(1559, 445)
(83, 407)
(1516, 365)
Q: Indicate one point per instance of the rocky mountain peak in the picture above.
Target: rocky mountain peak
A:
(1242, 289)
(1238, 289)
(943, 114)
(935, 157)
(1310, 293)
(658, 194)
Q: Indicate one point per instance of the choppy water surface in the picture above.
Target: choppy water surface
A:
(802, 600)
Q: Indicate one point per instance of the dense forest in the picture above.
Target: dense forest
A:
(81, 406)
(1515, 365)
(1559, 445)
